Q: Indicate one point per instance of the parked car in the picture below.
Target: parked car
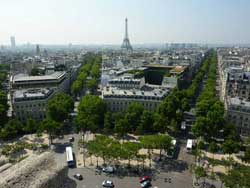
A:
(146, 184)
(108, 169)
(144, 178)
(78, 176)
(145, 181)
(72, 139)
(98, 170)
(108, 183)
(60, 136)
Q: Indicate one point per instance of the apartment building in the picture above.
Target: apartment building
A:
(238, 113)
(119, 99)
(31, 103)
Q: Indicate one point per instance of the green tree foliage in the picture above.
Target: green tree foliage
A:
(238, 177)
(3, 108)
(146, 123)
(130, 150)
(89, 74)
(95, 71)
(11, 130)
(76, 87)
(247, 155)
(5, 129)
(91, 112)
(92, 85)
(200, 126)
(101, 146)
(171, 110)
(209, 110)
(230, 147)
(108, 123)
(199, 172)
(160, 123)
(213, 147)
(133, 114)
(59, 107)
(201, 145)
(51, 127)
(161, 142)
(31, 126)
(121, 127)
(112, 150)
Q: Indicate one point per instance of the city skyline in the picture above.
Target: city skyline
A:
(99, 22)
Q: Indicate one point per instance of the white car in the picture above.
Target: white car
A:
(108, 169)
(108, 183)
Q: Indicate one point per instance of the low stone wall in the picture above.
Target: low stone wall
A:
(37, 171)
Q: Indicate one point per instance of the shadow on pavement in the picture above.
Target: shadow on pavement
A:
(60, 147)
(173, 166)
(69, 183)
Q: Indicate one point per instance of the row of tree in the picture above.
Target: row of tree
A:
(3, 95)
(93, 116)
(171, 110)
(210, 123)
(89, 75)
(110, 149)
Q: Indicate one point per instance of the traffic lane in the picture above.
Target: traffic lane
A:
(91, 180)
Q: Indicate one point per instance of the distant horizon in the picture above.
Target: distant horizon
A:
(116, 44)
(103, 22)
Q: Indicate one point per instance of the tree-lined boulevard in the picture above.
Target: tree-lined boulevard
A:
(152, 132)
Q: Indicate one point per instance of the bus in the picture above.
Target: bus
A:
(70, 157)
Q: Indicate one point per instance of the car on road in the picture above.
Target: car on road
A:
(108, 169)
(146, 184)
(145, 181)
(144, 178)
(60, 136)
(78, 176)
(71, 139)
(108, 183)
(98, 170)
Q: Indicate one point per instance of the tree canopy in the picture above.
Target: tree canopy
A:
(59, 107)
(91, 112)
(237, 177)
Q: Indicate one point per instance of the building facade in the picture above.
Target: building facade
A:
(31, 103)
(238, 84)
(238, 113)
(58, 80)
(118, 100)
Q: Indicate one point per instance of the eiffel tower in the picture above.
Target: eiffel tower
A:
(126, 44)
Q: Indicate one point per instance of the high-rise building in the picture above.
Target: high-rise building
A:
(126, 44)
(37, 50)
(12, 42)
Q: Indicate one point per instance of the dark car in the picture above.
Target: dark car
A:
(78, 176)
(108, 183)
(145, 184)
(98, 170)
(71, 139)
(145, 181)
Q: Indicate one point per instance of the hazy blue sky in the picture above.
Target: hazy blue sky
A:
(102, 21)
